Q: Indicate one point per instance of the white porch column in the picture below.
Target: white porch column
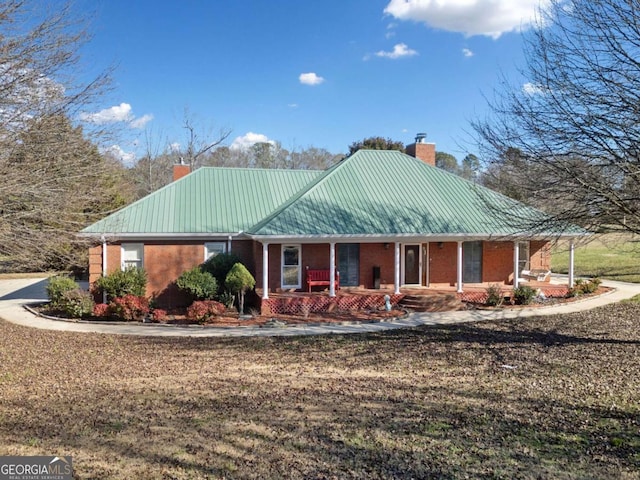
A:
(396, 269)
(516, 261)
(459, 268)
(265, 271)
(104, 266)
(571, 264)
(229, 244)
(332, 269)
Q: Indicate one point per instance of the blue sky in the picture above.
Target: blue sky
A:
(304, 73)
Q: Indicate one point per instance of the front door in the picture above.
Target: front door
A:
(472, 262)
(412, 264)
(349, 264)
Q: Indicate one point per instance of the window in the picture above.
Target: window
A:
(211, 249)
(132, 255)
(291, 266)
(523, 257)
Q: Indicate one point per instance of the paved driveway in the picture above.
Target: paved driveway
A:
(15, 293)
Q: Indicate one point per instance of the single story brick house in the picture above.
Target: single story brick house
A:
(382, 219)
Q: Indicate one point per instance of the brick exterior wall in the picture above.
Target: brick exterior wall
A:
(497, 262)
(540, 256)
(165, 262)
(375, 255)
(442, 263)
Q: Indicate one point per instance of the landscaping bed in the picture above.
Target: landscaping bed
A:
(231, 318)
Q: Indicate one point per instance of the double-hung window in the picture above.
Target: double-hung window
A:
(132, 255)
(291, 272)
(211, 249)
(523, 257)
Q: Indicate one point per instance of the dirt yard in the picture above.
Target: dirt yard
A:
(554, 397)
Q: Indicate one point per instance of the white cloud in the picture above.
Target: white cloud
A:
(248, 140)
(115, 114)
(174, 147)
(310, 79)
(292, 105)
(119, 153)
(533, 89)
(140, 122)
(490, 18)
(467, 53)
(400, 50)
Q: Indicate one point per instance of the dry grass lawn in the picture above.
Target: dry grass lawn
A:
(550, 397)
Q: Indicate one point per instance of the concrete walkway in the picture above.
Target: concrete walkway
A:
(15, 293)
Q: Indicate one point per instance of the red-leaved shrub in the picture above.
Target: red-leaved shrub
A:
(204, 310)
(101, 310)
(130, 307)
(158, 315)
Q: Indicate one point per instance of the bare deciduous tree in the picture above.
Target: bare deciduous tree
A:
(198, 145)
(54, 183)
(53, 179)
(576, 122)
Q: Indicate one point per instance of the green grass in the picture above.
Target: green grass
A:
(613, 256)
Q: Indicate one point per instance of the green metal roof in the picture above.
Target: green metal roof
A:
(209, 200)
(387, 193)
(375, 193)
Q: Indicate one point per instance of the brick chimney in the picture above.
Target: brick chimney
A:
(423, 150)
(180, 170)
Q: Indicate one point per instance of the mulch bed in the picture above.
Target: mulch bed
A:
(233, 319)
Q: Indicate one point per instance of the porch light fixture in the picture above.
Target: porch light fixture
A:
(386, 246)
(440, 245)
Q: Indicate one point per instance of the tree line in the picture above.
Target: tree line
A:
(566, 142)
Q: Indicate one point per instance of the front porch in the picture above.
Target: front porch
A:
(443, 297)
(395, 268)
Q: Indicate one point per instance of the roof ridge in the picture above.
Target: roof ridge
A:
(255, 169)
(145, 198)
(303, 191)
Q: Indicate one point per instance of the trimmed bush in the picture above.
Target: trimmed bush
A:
(76, 303)
(57, 287)
(204, 310)
(495, 295)
(524, 295)
(219, 266)
(584, 287)
(238, 281)
(199, 284)
(130, 307)
(132, 281)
